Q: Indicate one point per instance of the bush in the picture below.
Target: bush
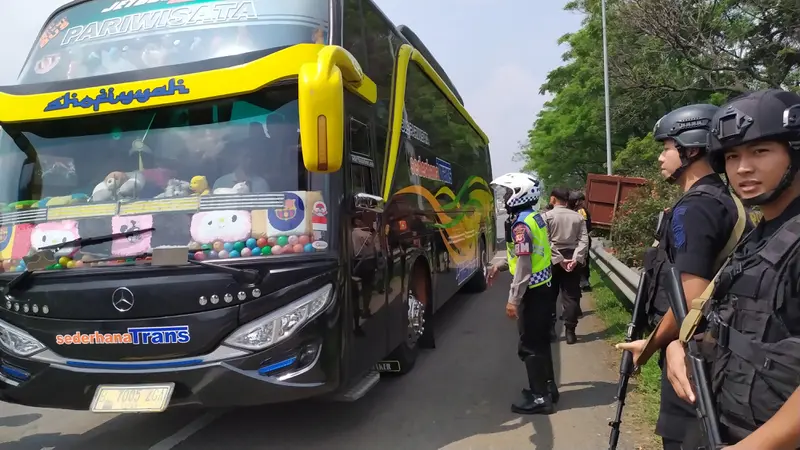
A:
(634, 227)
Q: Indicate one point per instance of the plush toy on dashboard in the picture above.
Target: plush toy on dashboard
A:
(199, 185)
(118, 186)
(64, 200)
(176, 188)
(238, 188)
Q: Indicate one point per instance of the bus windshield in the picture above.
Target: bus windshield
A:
(100, 37)
(224, 178)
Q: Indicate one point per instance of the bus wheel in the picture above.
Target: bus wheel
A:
(418, 333)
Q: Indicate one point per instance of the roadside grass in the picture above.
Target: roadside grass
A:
(644, 391)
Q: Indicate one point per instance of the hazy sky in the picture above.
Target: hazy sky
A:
(496, 52)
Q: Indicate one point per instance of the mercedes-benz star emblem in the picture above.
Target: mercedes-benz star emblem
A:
(122, 299)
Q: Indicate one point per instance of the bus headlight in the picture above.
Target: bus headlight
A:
(18, 342)
(281, 324)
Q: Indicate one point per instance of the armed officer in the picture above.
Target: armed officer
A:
(532, 297)
(692, 237)
(754, 314)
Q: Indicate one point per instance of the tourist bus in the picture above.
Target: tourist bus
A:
(230, 203)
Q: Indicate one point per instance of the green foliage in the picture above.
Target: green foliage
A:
(663, 54)
(639, 158)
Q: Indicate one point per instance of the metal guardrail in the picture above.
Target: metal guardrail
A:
(624, 278)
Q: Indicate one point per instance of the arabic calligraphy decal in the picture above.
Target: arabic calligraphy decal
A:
(109, 96)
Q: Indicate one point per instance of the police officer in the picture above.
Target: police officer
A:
(693, 237)
(754, 316)
(568, 236)
(531, 298)
(578, 203)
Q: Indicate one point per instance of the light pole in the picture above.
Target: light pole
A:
(608, 96)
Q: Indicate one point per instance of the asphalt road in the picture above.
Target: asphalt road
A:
(456, 398)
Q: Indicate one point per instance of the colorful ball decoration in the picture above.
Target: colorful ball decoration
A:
(252, 243)
(282, 240)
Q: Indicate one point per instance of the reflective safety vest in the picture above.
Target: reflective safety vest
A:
(540, 253)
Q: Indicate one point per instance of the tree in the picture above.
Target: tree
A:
(663, 54)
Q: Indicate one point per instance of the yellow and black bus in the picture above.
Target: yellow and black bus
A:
(228, 203)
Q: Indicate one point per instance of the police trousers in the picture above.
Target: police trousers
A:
(534, 313)
(569, 285)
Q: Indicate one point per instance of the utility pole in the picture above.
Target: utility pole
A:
(608, 96)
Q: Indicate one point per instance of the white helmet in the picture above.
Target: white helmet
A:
(522, 189)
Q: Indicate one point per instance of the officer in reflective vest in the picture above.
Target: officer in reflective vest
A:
(532, 298)
(695, 236)
(753, 314)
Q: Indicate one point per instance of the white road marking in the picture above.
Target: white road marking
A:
(184, 433)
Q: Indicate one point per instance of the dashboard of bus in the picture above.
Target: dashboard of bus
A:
(224, 178)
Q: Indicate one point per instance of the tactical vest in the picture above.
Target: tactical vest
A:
(754, 320)
(657, 259)
(540, 253)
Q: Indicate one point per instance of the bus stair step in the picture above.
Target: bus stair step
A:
(360, 387)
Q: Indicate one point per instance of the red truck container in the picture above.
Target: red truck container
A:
(604, 195)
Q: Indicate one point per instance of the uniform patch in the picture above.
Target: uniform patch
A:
(522, 240)
(519, 234)
(678, 229)
(539, 220)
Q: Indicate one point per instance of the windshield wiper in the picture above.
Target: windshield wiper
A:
(247, 277)
(16, 281)
(82, 242)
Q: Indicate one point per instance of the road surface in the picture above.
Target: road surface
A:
(457, 398)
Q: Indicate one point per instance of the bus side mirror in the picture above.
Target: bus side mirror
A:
(321, 106)
(368, 202)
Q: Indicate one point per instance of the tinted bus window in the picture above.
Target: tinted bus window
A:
(102, 37)
(383, 41)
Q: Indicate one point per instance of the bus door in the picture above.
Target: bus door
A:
(367, 250)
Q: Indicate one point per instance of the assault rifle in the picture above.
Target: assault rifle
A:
(626, 367)
(704, 403)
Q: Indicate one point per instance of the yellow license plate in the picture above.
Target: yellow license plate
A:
(132, 398)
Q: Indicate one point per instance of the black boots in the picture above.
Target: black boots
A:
(569, 334)
(538, 399)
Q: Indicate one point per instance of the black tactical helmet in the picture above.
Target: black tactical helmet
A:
(769, 114)
(689, 127)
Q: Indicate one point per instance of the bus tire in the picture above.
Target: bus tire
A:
(419, 327)
(478, 283)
